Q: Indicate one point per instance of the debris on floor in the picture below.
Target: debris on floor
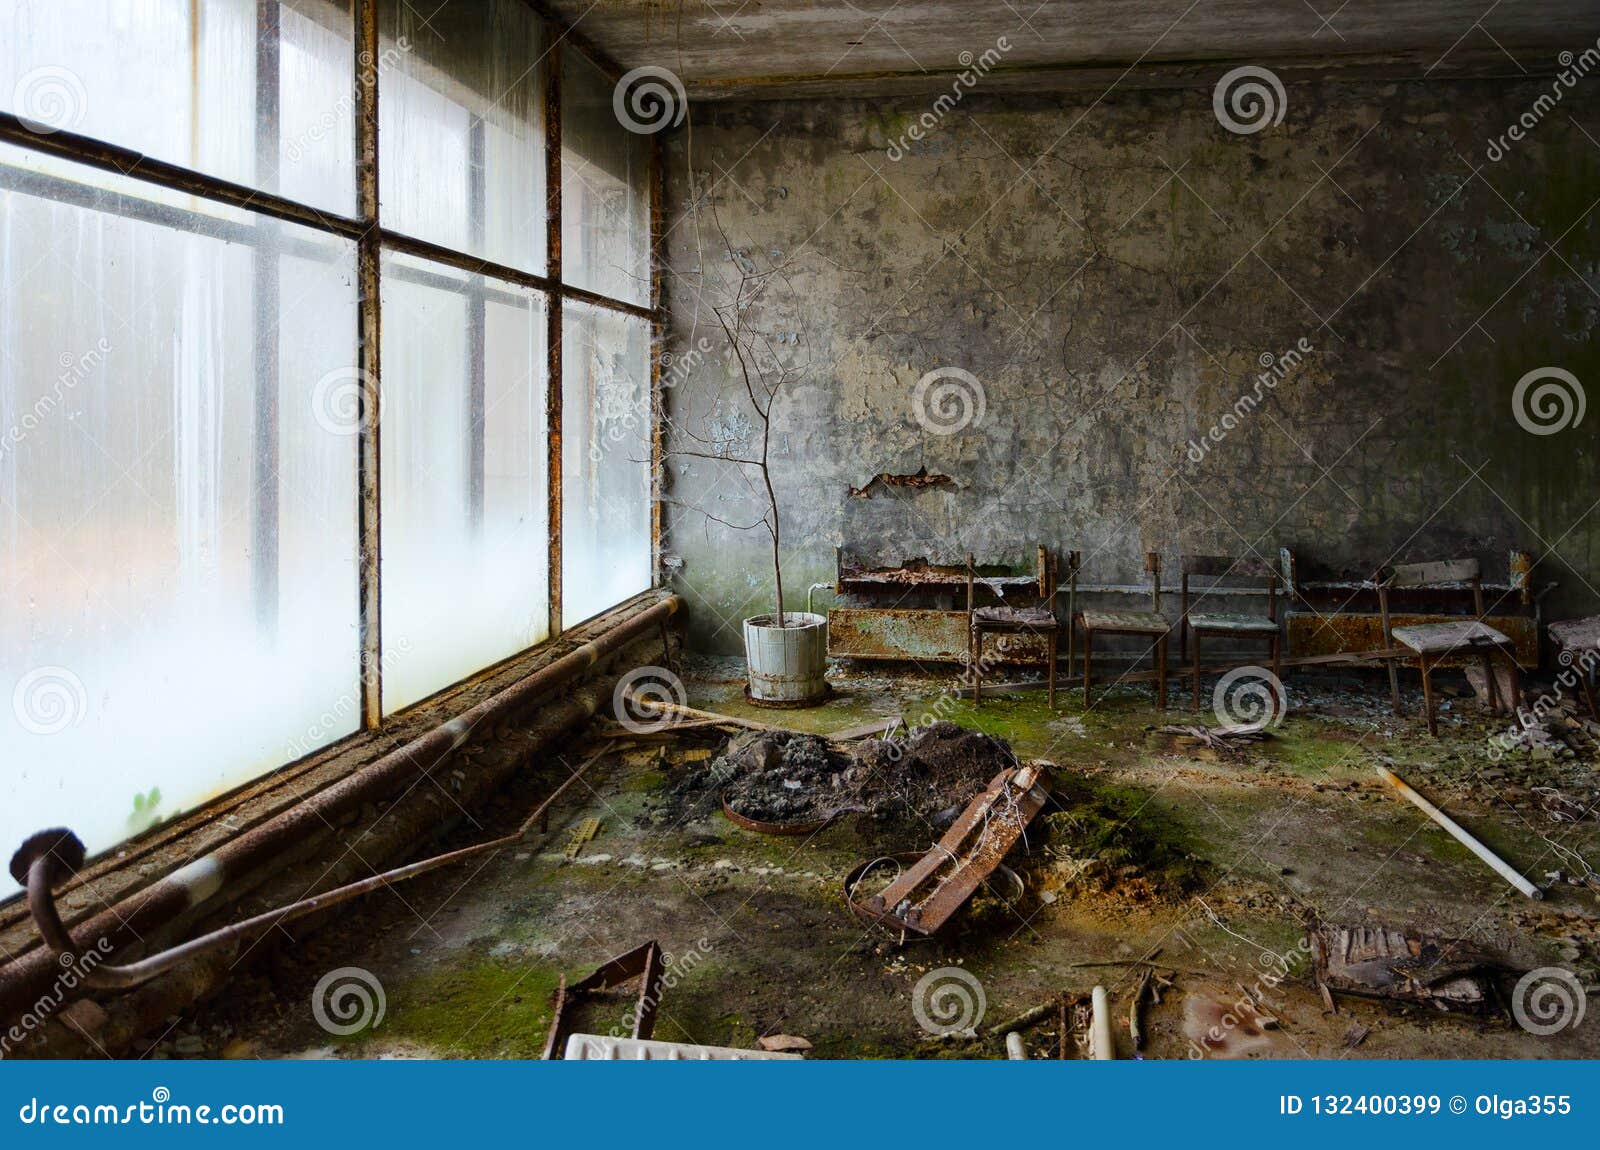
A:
(789, 778)
(924, 896)
(643, 963)
(1380, 962)
(1226, 742)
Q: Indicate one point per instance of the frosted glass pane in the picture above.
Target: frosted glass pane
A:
(605, 182)
(605, 460)
(465, 498)
(462, 128)
(177, 527)
(195, 84)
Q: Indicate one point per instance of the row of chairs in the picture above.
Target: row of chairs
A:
(1430, 643)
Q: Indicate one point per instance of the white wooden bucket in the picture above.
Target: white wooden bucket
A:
(787, 665)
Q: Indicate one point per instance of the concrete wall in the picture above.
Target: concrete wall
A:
(1115, 276)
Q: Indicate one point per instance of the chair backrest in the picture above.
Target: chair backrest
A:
(1152, 570)
(1046, 573)
(1217, 568)
(1435, 573)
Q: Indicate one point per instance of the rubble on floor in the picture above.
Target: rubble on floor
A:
(791, 778)
(1380, 962)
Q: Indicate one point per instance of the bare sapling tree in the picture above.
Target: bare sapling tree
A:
(738, 305)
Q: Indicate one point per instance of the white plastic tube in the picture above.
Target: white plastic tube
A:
(1100, 1042)
(1501, 867)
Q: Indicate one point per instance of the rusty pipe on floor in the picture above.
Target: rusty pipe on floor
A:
(201, 879)
(52, 854)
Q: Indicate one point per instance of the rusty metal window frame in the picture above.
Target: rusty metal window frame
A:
(372, 239)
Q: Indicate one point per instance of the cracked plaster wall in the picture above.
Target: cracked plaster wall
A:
(1113, 275)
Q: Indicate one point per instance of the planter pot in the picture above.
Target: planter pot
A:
(787, 665)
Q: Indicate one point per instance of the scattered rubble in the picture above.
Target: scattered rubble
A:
(1380, 962)
(790, 778)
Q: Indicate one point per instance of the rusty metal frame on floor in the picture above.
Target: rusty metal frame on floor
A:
(372, 240)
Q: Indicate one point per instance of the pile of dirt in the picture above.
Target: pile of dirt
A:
(934, 773)
(787, 777)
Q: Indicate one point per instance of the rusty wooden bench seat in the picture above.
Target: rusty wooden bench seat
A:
(1577, 634)
(1223, 621)
(1027, 618)
(1196, 624)
(1449, 638)
(1127, 622)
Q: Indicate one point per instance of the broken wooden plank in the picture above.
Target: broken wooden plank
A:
(877, 728)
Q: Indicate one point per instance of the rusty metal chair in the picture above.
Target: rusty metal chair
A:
(1433, 643)
(1034, 619)
(1235, 624)
(1578, 646)
(1149, 624)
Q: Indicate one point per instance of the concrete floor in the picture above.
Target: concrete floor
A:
(467, 960)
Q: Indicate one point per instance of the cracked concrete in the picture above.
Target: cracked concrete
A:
(1115, 274)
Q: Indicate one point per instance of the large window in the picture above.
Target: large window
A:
(201, 461)
(465, 494)
(605, 438)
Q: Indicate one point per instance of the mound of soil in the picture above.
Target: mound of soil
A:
(787, 777)
(933, 774)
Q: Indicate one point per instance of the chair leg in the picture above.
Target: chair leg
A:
(1394, 685)
(1516, 683)
(977, 667)
(1051, 643)
(1492, 682)
(1194, 637)
(1587, 680)
(1161, 672)
(1088, 663)
(1277, 657)
(1427, 694)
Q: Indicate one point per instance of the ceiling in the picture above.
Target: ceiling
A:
(787, 48)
